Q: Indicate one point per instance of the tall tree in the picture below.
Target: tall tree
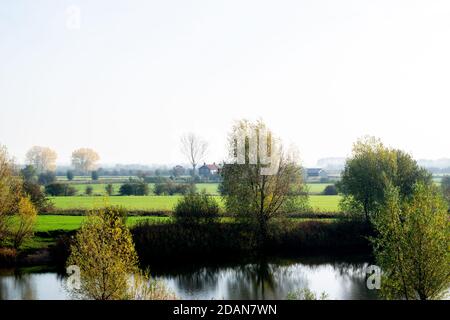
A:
(42, 158)
(25, 221)
(85, 159)
(10, 192)
(445, 186)
(413, 244)
(194, 149)
(17, 212)
(370, 169)
(251, 193)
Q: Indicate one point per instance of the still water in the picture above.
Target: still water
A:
(273, 279)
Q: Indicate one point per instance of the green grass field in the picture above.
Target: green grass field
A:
(162, 203)
(210, 188)
(46, 223)
(150, 203)
(325, 203)
(316, 188)
(54, 222)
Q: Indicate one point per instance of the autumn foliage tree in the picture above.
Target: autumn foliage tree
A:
(10, 192)
(42, 158)
(105, 255)
(17, 212)
(104, 252)
(25, 221)
(85, 159)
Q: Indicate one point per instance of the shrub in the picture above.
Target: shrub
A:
(37, 196)
(196, 208)
(89, 190)
(330, 190)
(144, 287)
(109, 189)
(60, 189)
(134, 188)
(169, 187)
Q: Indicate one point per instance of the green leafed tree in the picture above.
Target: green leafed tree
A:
(104, 252)
(70, 175)
(413, 244)
(10, 192)
(445, 186)
(370, 169)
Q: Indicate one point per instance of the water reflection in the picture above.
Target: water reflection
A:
(264, 279)
(15, 285)
(273, 280)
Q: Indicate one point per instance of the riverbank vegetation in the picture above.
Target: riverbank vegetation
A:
(386, 205)
(104, 253)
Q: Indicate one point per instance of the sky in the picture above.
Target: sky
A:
(128, 78)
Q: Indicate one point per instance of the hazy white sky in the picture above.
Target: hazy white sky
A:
(137, 74)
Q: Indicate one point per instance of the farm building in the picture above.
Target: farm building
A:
(316, 173)
(207, 170)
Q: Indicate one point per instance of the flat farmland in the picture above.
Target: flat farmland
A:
(210, 188)
(98, 188)
(163, 203)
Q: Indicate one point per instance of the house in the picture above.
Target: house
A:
(316, 173)
(207, 170)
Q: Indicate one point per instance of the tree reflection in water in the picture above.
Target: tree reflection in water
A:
(274, 279)
(340, 278)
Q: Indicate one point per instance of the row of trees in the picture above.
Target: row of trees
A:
(43, 159)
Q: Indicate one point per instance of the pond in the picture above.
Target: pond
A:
(271, 279)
